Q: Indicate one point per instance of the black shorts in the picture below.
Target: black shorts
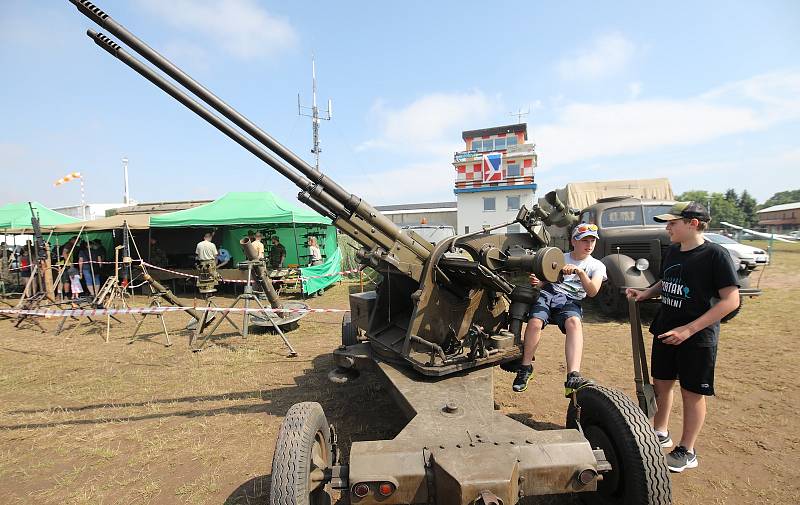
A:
(693, 366)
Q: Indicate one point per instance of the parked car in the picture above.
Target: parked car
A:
(744, 256)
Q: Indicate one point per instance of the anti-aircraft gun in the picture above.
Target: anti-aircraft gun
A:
(441, 316)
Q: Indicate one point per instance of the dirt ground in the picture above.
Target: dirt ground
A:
(88, 422)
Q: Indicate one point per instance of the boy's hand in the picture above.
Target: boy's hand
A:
(676, 335)
(635, 294)
(570, 269)
(534, 280)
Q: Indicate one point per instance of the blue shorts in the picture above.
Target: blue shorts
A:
(557, 306)
(87, 277)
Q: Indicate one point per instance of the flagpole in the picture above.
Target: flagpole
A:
(83, 199)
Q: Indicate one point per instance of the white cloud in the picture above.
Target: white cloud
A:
(431, 124)
(241, 27)
(762, 176)
(584, 131)
(607, 55)
(417, 182)
(635, 89)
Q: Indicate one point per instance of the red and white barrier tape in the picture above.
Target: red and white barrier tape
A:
(343, 272)
(155, 310)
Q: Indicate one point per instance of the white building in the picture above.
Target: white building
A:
(494, 177)
(93, 210)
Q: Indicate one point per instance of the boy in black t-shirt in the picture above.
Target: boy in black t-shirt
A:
(694, 275)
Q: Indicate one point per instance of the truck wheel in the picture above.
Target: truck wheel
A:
(302, 456)
(613, 423)
(611, 301)
(734, 312)
(349, 332)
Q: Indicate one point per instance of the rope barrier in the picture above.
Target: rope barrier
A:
(156, 310)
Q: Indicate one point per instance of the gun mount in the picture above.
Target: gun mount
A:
(441, 309)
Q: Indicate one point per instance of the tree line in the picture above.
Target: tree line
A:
(737, 208)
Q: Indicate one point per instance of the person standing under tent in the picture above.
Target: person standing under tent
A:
(314, 252)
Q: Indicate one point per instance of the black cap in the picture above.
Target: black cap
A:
(685, 210)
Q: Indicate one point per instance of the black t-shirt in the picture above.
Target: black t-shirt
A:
(276, 253)
(690, 284)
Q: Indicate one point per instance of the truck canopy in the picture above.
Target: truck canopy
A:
(579, 195)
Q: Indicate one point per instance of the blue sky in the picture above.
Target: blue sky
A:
(705, 93)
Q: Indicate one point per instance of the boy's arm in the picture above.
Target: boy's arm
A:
(728, 301)
(642, 295)
(590, 284)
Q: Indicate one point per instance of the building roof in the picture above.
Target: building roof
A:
(158, 207)
(784, 206)
(417, 206)
(513, 128)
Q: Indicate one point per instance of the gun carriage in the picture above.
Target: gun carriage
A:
(440, 318)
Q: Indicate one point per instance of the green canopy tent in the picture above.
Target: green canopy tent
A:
(16, 217)
(232, 215)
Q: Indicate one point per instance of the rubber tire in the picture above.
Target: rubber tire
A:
(610, 301)
(640, 475)
(349, 332)
(734, 312)
(304, 423)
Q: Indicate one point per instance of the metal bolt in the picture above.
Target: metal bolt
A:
(451, 408)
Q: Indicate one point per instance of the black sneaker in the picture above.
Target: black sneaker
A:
(574, 382)
(680, 459)
(664, 440)
(524, 375)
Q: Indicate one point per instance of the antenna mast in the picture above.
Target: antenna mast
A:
(519, 114)
(314, 114)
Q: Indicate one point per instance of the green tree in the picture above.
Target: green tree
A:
(694, 195)
(781, 198)
(720, 207)
(748, 205)
(731, 195)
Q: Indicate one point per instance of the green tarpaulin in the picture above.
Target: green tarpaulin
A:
(233, 215)
(17, 216)
(321, 276)
(240, 209)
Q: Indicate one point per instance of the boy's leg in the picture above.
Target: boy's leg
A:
(664, 393)
(694, 414)
(573, 344)
(533, 335)
(696, 371)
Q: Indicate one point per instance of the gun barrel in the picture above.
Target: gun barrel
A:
(168, 296)
(316, 182)
(262, 277)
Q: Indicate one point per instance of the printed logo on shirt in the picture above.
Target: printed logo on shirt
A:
(673, 290)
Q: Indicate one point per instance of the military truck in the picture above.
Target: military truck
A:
(632, 246)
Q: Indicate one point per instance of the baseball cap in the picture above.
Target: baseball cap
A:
(585, 230)
(684, 210)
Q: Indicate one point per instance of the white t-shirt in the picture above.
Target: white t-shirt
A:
(206, 250)
(571, 286)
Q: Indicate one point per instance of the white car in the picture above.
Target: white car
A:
(745, 256)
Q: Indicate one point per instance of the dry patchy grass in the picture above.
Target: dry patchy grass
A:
(83, 421)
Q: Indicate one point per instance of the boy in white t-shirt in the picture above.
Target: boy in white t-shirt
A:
(560, 302)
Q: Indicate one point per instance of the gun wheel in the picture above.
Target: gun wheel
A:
(613, 423)
(302, 458)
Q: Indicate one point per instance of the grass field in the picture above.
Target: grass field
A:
(88, 422)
